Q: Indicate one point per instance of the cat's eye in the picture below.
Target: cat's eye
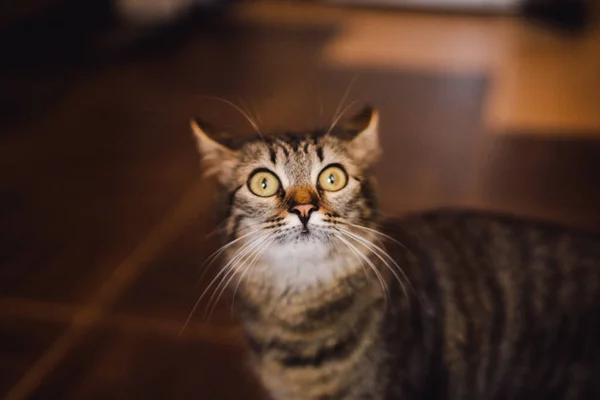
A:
(333, 178)
(263, 183)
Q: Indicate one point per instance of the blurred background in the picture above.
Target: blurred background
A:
(106, 221)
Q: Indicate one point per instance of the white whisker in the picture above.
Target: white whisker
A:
(220, 250)
(362, 265)
(380, 253)
(375, 231)
(213, 257)
(335, 121)
(337, 114)
(260, 121)
(239, 109)
(206, 290)
(252, 263)
(247, 109)
(337, 248)
(370, 263)
(232, 269)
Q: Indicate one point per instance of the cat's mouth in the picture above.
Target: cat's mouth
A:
(308, 234)
(304, 234)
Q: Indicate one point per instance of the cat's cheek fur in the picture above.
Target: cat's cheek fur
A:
(345, 202)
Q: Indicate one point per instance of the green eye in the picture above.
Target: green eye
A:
(333, 178)
(263, 183)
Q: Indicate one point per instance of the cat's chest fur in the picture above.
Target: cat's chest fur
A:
(301, 266)
(317, 340)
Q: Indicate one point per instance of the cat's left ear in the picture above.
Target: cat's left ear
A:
(217, 158)
(363, 130)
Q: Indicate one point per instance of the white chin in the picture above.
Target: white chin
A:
(301, 262)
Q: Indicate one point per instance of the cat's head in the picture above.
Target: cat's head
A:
(295, 201)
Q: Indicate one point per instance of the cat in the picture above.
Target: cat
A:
(338, 303)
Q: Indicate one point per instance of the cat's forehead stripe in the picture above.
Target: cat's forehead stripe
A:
(295, 156)
(306, 147)
(284, 149)
(272, 155)
(320, 153)
(280, 144)
(294, 142)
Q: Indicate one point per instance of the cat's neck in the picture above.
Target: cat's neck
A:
(302, 303)
(311, 327)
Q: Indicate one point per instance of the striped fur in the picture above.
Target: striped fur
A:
(509, 309)
(441, 305)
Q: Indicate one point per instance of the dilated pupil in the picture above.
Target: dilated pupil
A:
(263, 183)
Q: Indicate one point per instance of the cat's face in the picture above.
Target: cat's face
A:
(296, 200)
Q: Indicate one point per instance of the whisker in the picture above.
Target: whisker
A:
(346, 93)
(213, 257)
(220, 228)
(334, 123)
(370, 263)
(375, 231)
(247, 108)
(372, 248)
(362, 265)
(380, 253)
(220, 250)
(244, 265)
(232, 266)
(260, 121)
(239, 109)
(206, 290)
(337, 248)
(252, 264)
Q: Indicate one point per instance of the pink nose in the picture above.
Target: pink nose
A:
(303, 211)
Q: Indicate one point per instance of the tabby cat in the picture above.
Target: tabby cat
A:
(338, 304)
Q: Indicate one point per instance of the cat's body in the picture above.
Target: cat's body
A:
(442, 305)
(508, 309)
(498, 308)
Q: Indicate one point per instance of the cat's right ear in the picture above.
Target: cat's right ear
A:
(217, 159)
(363, 129)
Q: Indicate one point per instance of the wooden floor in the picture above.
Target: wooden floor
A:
(106, 220)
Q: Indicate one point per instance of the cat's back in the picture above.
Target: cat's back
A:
(514, 303)
(498, 241)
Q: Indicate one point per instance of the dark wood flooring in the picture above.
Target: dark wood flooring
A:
(105, 216)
